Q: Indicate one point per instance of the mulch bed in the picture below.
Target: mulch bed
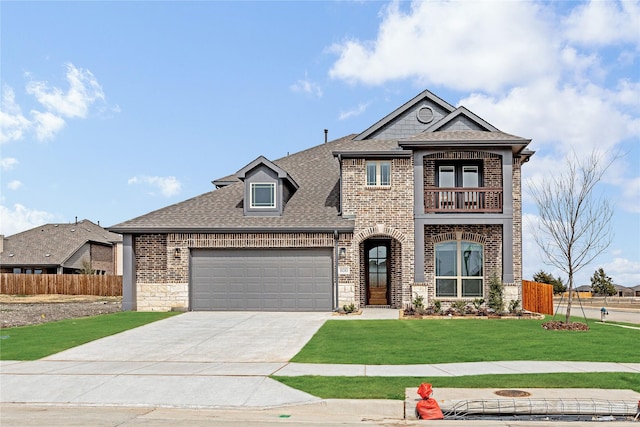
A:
(562, 326)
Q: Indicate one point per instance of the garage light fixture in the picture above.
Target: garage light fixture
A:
(176, 253)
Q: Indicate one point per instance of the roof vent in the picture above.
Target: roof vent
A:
(47, 255)
(424, 114)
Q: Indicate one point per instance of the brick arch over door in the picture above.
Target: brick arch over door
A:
(398, 246)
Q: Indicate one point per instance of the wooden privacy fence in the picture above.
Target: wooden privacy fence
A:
(65, 284)
(537, 297)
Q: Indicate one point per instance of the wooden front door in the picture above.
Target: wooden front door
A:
(377, 253)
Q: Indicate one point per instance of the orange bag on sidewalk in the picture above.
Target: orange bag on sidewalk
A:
(427, 408)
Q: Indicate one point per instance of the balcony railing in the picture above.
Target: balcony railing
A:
(467, 200)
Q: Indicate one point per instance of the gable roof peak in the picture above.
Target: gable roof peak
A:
(263, 161)
(461, 111)
(422, 96)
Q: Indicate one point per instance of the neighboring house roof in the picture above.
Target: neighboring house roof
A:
(52, 244)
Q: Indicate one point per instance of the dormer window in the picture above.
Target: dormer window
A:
(378, 173)
(267, 188)
(263, 195)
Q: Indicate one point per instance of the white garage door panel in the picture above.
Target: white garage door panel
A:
(261, 279)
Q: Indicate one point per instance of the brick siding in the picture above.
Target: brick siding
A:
(380, 212)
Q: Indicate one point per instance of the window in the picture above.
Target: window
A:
(459, 269)
(465, 175)
(263, 195)
(459, 175)
(379, 173)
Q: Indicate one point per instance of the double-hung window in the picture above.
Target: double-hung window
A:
(263, 195)
(459, 269)
(379, 173)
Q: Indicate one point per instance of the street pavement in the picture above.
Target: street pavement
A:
(626, 315)
(217, 362)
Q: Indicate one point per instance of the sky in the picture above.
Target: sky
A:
(111, 110)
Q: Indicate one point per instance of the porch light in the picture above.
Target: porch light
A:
(343, 253)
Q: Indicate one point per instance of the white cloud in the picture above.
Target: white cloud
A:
(84, 90)
(307, 86)
(561, 119)
(461, 45)
(7, 163)
(168, 186)
(47, 125)
(604, 22)
(21, 218)
(623, 271)
(13, 124)
(631, 195)
(14, 185)
(361, 108)
(74, 103)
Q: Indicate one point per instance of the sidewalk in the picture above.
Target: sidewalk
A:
(222, 385)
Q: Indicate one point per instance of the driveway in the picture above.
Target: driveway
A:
(194, 360)
(237, 337)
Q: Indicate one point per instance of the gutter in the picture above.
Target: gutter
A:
(243, 230)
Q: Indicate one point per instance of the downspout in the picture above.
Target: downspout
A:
(340, 186)
(335, 257)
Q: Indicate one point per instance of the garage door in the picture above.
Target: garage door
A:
(261, 279)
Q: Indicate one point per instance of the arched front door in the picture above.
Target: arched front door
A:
(377, 253)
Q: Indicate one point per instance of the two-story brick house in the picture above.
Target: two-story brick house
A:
(427, 201)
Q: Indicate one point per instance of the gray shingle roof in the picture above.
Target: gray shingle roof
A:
(58, 241)
(314, 206)
(464, 135)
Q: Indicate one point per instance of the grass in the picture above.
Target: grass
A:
(394, 387)
(393, 342)
(35, 342)
(399, 342)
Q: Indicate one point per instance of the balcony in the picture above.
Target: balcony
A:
(462, 200)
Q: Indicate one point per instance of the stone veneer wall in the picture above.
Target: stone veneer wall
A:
(379, 212)
(162, 260)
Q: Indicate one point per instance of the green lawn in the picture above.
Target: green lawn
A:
(394, 387)
(35, 342)
(398, 342)
(394, 342)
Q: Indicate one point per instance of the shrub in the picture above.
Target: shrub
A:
(349, 308)
(437, 306)
(477, 303)
(459, 306)
(514, 306)
(496, 290)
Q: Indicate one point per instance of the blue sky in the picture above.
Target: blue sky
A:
(113, 109)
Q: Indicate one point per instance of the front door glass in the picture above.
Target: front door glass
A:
(378, 273)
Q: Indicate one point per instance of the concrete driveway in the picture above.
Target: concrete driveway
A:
(194, 360)
(222, 337)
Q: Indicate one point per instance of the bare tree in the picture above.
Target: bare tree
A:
(574, 224)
